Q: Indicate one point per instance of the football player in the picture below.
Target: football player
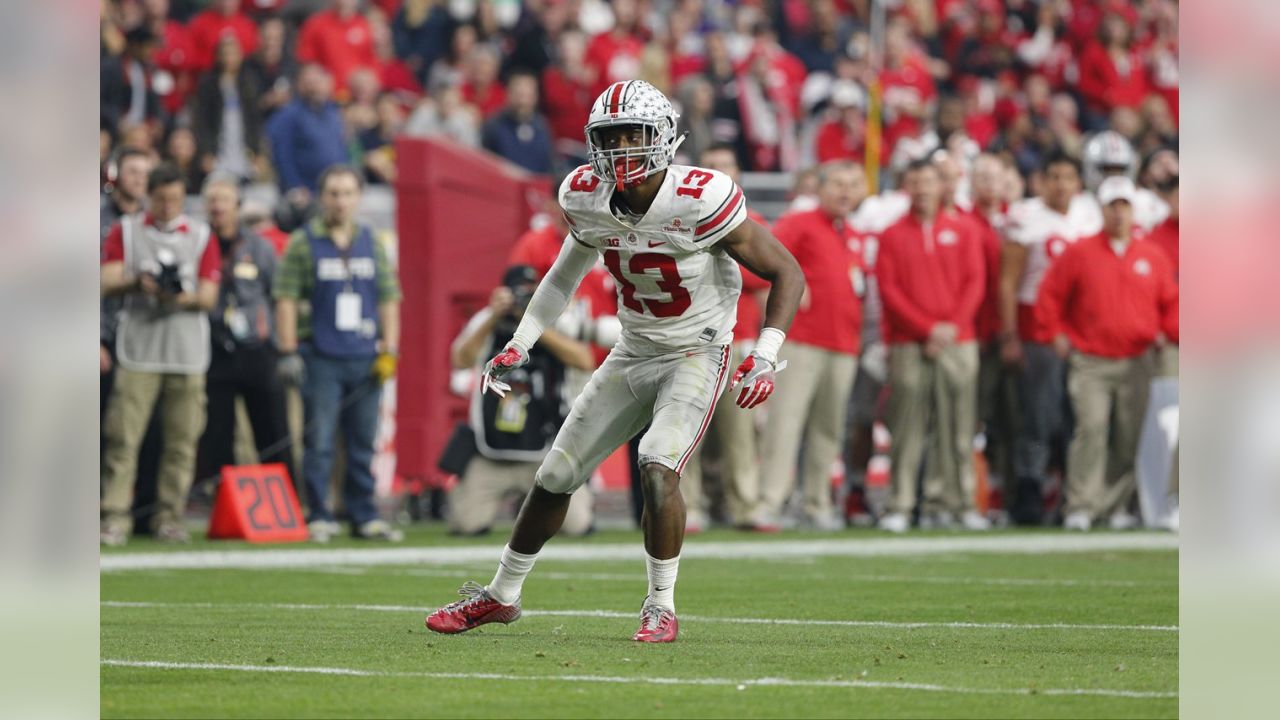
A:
(1037, 231)
(1107, 154)
(670, 236)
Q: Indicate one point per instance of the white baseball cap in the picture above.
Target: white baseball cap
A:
(847, 94)
(1116, 187)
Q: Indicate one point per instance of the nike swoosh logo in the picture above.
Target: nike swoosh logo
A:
(653, 244)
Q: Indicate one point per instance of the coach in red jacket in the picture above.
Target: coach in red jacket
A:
(732, 427)
(1108, 300)
(822, 352)
(931, 281)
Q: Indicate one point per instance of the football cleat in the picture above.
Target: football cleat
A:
(657, 625)
(477, 607)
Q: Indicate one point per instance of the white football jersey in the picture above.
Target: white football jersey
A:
(676, 289)
(1046, 234)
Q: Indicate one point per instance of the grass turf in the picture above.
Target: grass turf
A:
(233, 617)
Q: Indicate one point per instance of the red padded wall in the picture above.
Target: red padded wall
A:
(458, 212)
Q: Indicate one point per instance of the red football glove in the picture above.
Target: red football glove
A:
(504, 362)
(757, 376)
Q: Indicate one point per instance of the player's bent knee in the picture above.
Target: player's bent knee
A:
(660, 483)
(557, 475)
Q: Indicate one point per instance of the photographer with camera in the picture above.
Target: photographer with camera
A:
(167, 267)
(513, 432)
(244, 353)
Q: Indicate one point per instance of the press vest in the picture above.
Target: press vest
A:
(152, 337)
(336, 272)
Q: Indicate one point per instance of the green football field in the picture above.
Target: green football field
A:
(855, 624)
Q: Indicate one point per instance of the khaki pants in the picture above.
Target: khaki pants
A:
(182, 408)
(1167, 363)
(810, 401)
(943, 389)
(1109, 398)
(733, 431)
(474, 503)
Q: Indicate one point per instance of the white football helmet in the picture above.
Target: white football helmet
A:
(631, 102)
(1108, 153)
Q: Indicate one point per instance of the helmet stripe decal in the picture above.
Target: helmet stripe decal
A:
(615, 96)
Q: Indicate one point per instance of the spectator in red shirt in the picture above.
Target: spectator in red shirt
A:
(223, 16)
(394, 75)
(566, 94)
(174, 56)
(615, 55)
(339, 39)
(907, 89)
(843, 136)
(822, 352)
(733, 427)
(1108, 300)
(1162, 54)
(929, 273)
(1112, 72)
(167, 268)
(481, 86)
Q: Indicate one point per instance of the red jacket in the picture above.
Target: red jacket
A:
(830, 254)
(987, 324)
(568, 103)
(836, 142)
(928, 274)
(1103, 84)
(341, 46)
(1107, 304)
(1165, 236)
(206, 30)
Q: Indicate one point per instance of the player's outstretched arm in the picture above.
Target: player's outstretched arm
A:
(548, 301)
(756, 249)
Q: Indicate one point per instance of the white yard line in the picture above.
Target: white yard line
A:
(637, 577)
(751, 549)
(959, 625)
(740, 684)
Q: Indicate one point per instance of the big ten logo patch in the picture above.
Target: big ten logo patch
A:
(257, 503)
(613, 242)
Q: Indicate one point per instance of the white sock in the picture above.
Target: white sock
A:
(662, 581)
(512, 569)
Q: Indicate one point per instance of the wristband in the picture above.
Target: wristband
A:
(769, 343)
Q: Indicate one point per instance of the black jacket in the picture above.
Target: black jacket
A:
(207, 112)
(115, 93)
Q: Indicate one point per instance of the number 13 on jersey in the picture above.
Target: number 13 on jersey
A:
(668, 282)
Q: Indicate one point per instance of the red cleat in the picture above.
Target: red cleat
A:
(477, 607)
(657, 625)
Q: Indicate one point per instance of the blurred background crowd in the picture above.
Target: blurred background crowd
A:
(981, 108)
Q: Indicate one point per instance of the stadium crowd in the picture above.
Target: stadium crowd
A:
(1001, 122)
